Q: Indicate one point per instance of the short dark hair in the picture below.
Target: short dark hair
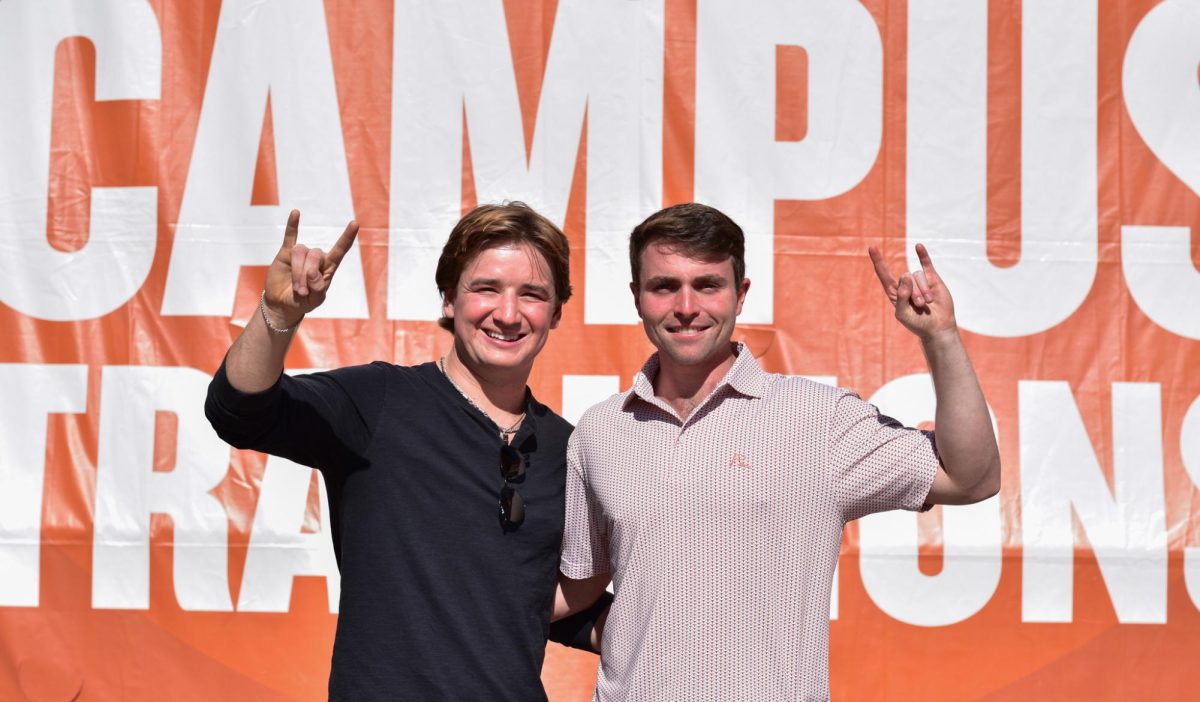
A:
(491, 226)
(692, 229)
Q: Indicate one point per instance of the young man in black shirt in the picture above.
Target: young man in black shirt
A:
(445, 479)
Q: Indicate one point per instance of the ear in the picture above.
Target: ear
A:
(448, 305)
(557, 316)
(742, 290)
(637, 302)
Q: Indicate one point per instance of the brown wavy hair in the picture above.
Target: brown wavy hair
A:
(692, 229)
(490, 226)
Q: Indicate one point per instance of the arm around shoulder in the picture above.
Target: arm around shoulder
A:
(580, 611)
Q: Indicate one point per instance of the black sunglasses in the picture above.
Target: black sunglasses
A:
(512, 505)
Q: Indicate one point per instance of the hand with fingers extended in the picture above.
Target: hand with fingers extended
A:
(299, 276)
(921, 298)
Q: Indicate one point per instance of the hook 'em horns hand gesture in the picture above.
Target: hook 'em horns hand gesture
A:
(922, 300)
(299, 276)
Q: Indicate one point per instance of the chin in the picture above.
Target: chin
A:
(506, 360)
(684, 359)
(517, 358)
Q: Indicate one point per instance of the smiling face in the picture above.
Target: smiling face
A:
(688, 306)
(502, 309)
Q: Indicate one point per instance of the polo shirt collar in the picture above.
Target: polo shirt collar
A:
(745, 376)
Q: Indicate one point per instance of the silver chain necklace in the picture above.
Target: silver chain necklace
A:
(504, 433)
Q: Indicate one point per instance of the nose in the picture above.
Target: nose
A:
(686, 304)
(507, 312)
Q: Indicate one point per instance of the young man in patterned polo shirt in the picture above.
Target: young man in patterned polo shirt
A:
(714, 494)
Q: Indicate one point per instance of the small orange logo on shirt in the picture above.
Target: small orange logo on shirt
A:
(738, 461)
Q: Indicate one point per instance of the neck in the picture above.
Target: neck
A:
(501, 395)
(684, 387)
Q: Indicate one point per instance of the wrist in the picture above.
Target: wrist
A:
(941, 339)
(275, 320)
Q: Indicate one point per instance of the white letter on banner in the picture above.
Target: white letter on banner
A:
(833, 591)
(30, 393)
(129, 490)
(278, 549)
(947, 161)
(1059, 471)
(278, 48)
(39, 280)
(1189, 448)
(1163, 98)
(740, 168)
(605, 61)
(971, 541)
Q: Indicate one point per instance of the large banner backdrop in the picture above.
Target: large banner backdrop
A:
(1046, 151)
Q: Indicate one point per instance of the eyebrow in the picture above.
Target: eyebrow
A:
(711, 279)
(658, 280)
(495, 282)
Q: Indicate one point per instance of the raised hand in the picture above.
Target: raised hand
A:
(922, 300)
(299, 276)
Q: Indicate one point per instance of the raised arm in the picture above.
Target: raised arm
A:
(296, 285)
(970, 469)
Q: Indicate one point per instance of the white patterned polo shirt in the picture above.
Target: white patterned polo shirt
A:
(722, 531)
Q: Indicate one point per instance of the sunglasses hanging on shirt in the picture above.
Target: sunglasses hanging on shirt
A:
(512, 505)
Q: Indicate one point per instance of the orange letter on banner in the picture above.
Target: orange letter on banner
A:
(39, 280)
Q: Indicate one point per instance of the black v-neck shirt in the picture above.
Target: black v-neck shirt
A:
(438, 601)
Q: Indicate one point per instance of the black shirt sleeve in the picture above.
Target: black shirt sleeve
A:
(575, 631)
(322, 420)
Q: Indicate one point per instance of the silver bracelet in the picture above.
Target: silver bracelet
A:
(262, 308)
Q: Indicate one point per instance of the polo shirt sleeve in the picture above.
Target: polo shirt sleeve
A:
(585, 540)
(877, 464)
(321, 420)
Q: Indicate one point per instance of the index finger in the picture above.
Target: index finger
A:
(292, 230)
(343, 244)
(881, 269)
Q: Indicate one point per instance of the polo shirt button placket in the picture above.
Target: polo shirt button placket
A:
(675, 449)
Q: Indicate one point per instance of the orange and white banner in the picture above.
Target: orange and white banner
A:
(1046, 151)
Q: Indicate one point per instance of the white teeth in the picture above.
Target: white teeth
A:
(502, 337)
